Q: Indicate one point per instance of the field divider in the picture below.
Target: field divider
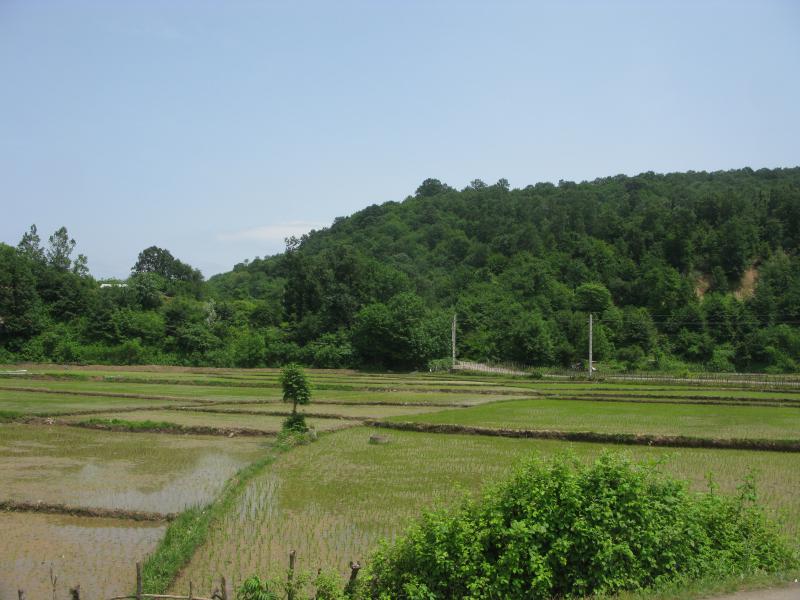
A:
(165, 428)
(83, 511)
(596, 437)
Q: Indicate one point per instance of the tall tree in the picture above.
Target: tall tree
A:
(30, 245)
(60, 249)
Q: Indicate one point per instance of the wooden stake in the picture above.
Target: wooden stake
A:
(226, 595)
(354, 568)
(138, 581)
(75, 593)
(290, 587)
(21, 594)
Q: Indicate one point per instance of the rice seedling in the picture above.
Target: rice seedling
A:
(705, 421)
(37, 403)
(332, 501)
(99, 554)
(364, 411)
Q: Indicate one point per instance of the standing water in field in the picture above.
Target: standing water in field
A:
(129, 471)
(99, 554)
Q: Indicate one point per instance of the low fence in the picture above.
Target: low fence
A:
(756, 380)
(222, 592)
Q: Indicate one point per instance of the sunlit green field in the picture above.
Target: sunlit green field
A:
(333, 499)
(219, 393)
(708, 421)
(46, 403)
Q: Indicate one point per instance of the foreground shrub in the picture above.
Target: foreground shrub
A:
(562, 529)
(327, 585)
(295, 422)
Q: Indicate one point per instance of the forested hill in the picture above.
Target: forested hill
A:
(699, 268)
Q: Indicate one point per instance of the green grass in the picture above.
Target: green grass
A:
(199, 393)
(43, 403)
(9, 415)
(146, 425)
(187, 418)
(706, 421)
(334, 499)
(364, 411)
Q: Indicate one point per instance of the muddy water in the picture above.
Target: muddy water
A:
(134, 471)
(99, 554)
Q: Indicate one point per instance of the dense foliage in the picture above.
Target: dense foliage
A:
(565, 530)
(686, 268)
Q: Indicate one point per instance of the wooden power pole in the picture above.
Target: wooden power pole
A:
(453, 341)
(590, 345)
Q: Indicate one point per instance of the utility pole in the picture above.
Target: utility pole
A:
(453, 342)
(590, 345)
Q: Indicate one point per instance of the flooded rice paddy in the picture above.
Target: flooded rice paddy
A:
(334, 500)
(98, 554)
(331, 501)
(131, 471)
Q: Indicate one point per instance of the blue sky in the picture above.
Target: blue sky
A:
(216, 129)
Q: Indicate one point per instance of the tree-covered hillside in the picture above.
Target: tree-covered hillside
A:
(700, 268)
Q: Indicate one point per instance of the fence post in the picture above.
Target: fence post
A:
(75, 593)
(351, 584)
(190, 590)
(290, 577)
(138, 581)
(226, 595)
(21, 594)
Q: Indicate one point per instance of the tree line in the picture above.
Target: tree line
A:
(694, 269)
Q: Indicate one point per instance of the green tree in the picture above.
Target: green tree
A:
(30, 245)
(249, 350)
(21, 314)
(296, 390)
(531, 342)
(592, 297)
(60, 250)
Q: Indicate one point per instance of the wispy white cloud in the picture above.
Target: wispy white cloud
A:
(270, 233)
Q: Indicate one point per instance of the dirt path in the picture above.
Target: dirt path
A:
(792, 592)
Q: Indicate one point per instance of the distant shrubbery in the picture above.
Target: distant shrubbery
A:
(561, 529)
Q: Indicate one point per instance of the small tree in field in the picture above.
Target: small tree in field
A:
(297, 391)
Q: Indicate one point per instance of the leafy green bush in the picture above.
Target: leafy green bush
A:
(440, 364)
(563, 529)
(295, 422)
(146, 425)
(722, 359)
(254, 588)
(327, 585)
